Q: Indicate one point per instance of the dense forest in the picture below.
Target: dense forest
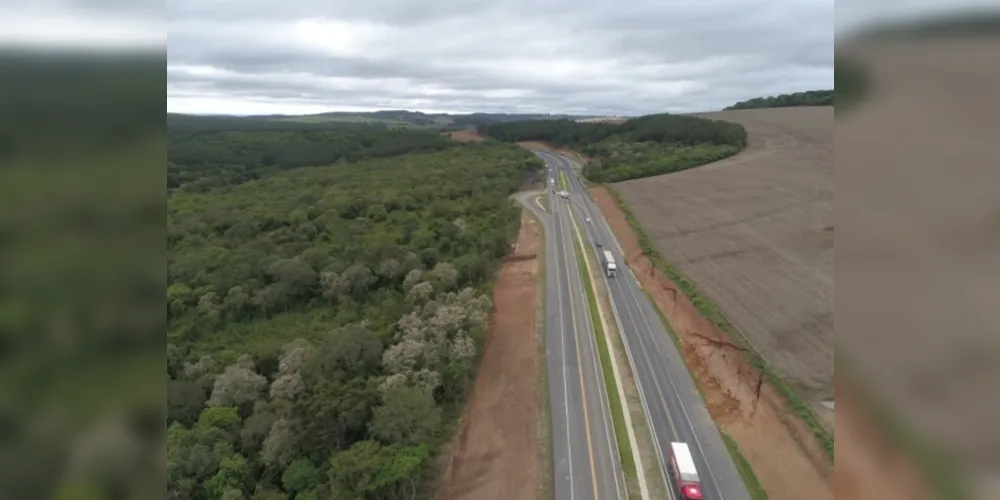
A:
(325, 321)
(807, 98)
(204, 153)
(390, 118)
(639, 147)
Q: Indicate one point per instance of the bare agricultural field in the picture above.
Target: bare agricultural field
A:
(755, 233)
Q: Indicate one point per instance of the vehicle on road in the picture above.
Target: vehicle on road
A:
(608, 261)
(564, 194)
(684, 473)
(588, 219)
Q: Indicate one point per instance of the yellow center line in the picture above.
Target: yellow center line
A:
(656, 383)
(583, 390)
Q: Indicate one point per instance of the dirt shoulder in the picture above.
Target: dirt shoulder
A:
(495, 455)
(786, 459)
(464, 136)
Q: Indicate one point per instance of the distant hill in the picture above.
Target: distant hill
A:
(807, 98)
(399, 118)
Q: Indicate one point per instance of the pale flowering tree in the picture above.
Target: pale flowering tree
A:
(404, 356)
(237, 385)
(412, 278)
(449, 318)
(463, 348)
(295, 355)
(208, 303)
(446, 275)
(411, 326)
(287, 387)
(387, 269)
(206, 365)
(246, 361)
(427, 380)
(420, 293)
(332, 285)
(391, 382)
(281, 445)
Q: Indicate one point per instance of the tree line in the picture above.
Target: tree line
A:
(201, 155)
(324, 322)
(807, 98)
(638, 147)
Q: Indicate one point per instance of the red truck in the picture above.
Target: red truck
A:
(684, 472)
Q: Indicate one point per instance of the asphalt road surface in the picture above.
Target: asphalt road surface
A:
(673, 407)
(584, 450)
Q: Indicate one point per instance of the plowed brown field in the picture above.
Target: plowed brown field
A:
(755, 233)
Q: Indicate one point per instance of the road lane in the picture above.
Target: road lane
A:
(585, 457)
(674, 407)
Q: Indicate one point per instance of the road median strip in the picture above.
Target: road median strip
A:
(624, 432)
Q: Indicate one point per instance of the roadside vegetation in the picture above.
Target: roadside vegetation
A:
(324, 323)
(639, 147)
(807, 98)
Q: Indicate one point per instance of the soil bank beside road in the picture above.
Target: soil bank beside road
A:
(495, 455)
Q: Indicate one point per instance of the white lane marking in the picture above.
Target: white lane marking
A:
(562, 328)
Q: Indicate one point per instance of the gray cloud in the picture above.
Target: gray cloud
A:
(554, 56)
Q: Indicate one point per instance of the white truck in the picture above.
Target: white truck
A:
(564, 194)
(684, 472)
(610, 267)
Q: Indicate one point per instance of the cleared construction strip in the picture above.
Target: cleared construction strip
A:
(632, 465)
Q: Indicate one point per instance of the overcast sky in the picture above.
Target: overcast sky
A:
(558, 56)
(590, 57)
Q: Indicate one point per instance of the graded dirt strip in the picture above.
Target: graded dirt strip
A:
(496, 454)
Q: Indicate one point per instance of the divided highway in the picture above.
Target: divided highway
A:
(674, 409)
(585, 452)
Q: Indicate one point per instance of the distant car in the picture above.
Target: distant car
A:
(588, 219)
(598, 244)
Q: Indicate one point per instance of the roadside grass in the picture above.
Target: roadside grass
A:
(743, 466)
(563, 182)
(711, 312)
(614, 399)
